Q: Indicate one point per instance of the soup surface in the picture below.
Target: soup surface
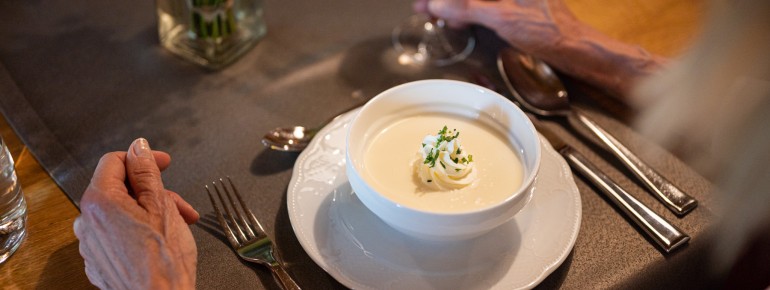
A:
(390, 157)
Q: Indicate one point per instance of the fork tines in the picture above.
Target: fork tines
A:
(245, 227)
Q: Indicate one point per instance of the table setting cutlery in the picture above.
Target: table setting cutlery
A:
(349, 216)
(296, 138)
(666, 235)
(538, 79)
(246, 235)
(538, 89)
(302, 74)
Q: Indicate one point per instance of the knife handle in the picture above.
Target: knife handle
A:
(666, 235)
(675, 199)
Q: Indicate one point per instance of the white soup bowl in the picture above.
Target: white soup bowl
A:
(447, 97)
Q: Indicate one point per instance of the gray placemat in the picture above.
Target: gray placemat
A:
(82, 78)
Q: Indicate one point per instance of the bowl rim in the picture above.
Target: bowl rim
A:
(526, 183)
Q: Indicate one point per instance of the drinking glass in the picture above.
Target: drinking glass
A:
(13, 209)
(423, 39)
(211, 33)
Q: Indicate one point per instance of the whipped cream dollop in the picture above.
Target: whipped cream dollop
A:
(442, 162)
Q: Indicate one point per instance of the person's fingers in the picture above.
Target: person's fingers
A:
(188, 213)
(110, 173)
(420, 6)
(486, 13)
(92, 272)
(448, 11)
(162, 159)
(475, 11)
(86, 252)
(144, 176)
(98, 266)
(444, 9)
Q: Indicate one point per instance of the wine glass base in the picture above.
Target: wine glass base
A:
(420, 40)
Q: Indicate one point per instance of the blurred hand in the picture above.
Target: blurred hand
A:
(136, 237)
(548, 30)
(529, 25)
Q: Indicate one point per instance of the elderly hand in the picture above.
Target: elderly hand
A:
(548, 30)
(133, 232)
(528, 25)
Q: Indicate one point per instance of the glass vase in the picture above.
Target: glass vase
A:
(211, 33)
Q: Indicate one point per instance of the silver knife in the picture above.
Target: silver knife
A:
(666, 235)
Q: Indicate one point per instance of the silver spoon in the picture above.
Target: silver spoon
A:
(295, 139)
(289, 139)
(539, 90)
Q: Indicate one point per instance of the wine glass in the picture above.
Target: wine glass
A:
(422, 39)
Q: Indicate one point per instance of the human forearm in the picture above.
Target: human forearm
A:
(586, 54)
(549, 31)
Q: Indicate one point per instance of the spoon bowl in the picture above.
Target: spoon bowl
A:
(544, 92)
(289, 139)
(296, 139)
(539, 90)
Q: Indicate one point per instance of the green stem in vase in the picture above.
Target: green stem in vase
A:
(212, 19)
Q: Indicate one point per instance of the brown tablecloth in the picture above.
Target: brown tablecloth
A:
(81, 78)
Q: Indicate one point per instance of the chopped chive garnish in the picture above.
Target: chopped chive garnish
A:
(434, 158)
(444, 136)
(429, 157)
(443, 142)
(442, 131)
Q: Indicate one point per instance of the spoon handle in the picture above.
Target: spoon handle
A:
(675, 199)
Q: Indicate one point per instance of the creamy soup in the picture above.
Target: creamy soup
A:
(391, 155)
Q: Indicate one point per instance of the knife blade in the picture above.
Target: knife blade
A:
(666, 235)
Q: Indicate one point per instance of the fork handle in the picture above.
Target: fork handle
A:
(283, 278)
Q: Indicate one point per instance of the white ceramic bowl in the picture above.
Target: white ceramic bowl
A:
(452, 97)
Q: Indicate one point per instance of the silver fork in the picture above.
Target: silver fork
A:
(247, 237)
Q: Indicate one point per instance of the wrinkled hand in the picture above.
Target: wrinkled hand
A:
(529, 25)
(548, 30)
(136, 237)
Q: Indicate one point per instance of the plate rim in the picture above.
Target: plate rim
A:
(307, 246)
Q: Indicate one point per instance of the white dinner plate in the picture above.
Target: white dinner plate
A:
(359, 250)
